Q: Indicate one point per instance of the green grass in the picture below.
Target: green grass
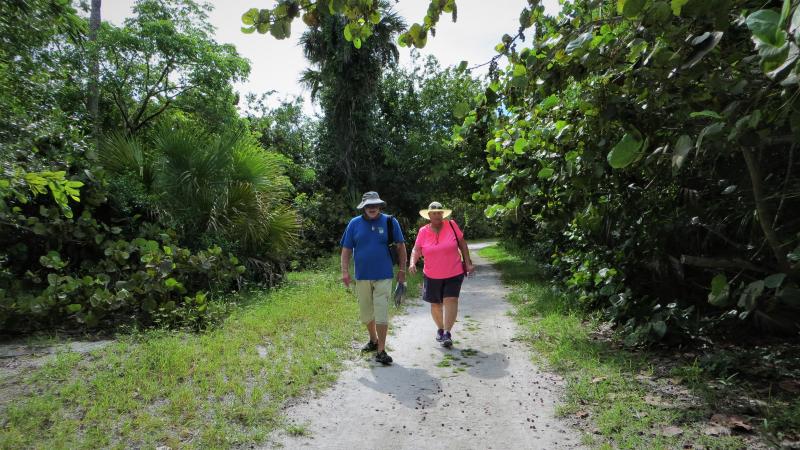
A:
(222, 388)
(603, 382)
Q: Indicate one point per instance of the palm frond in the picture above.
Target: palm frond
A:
(119, 154)
(226, 185)
(312, 80)
(282, 229)
(193, 168)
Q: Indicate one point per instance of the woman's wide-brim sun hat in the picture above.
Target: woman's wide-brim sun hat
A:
(434, 207)
(371, 198)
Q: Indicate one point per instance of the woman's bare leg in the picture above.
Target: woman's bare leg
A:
(436, 313)
(450, 312)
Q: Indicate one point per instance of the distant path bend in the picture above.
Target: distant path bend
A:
(487, 394)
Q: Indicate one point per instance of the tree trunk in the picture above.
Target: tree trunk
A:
(94, 70)
(765, 215)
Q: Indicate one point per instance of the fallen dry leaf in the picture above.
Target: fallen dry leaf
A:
(654, 400)
(741, 425)
(582, 414)
(671, 431)
(716, 431)
(732, 422)
(596, 380)
(792, 386)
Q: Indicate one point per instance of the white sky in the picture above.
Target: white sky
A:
(276, 65)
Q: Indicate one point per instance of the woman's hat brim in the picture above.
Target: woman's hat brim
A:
(424, 212)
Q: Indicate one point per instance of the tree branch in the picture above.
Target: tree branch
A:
(785, 185)
(122, 109)
(765, 217)
(151, 116)
(149, 94)
(720, 263)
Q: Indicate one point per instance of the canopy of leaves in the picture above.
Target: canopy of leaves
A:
(164, 51)
(361, 19)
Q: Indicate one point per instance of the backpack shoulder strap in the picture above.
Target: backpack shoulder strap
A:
(390, 229)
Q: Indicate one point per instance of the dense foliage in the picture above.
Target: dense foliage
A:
(646, 148)
(419, 106)
(384, 128)
(655, 171)
(150, 215)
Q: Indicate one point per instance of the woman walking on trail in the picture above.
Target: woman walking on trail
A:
(441, 244)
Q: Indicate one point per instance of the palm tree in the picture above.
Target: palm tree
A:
(345, 81)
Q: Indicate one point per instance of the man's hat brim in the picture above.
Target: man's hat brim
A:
(372, 201)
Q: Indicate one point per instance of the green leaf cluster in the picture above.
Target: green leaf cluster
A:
(361, 15)
(92, 276)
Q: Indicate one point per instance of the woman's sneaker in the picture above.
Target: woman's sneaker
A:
(447, 340)
(369, 347)
(439, 335)
(383, 358)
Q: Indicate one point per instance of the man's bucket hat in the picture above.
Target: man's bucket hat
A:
(371, 198)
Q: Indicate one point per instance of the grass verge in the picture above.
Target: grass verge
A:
(613, 394)
(217, 389)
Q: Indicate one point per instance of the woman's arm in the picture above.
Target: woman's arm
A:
(416, 251)
(462, 245)
(412, 263)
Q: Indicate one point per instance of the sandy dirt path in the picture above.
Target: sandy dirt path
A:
(484, 393)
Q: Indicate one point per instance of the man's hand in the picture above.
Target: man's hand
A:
(401, 276)
(345, 260)
(346, 278)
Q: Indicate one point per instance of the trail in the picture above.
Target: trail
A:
(484, 393)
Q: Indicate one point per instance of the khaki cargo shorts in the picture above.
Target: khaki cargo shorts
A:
(373, 300)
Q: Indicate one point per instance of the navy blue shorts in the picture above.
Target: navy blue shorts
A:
(435, 290)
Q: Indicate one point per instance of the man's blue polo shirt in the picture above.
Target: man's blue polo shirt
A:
(369, 241)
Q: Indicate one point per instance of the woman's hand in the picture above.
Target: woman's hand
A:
(412, 268)
(470, 268)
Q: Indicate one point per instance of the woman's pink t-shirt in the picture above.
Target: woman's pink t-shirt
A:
(442, 258)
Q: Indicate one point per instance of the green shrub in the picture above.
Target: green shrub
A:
(66, 269)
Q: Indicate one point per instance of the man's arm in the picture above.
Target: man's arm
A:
(345, 262)
(402, 260)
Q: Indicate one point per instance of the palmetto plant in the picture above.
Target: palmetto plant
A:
(222, 188)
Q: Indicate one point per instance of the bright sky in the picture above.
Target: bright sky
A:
(276, 65)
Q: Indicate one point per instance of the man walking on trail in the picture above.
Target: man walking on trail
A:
(366, 238)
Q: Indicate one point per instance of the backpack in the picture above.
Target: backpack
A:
(392, 245)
